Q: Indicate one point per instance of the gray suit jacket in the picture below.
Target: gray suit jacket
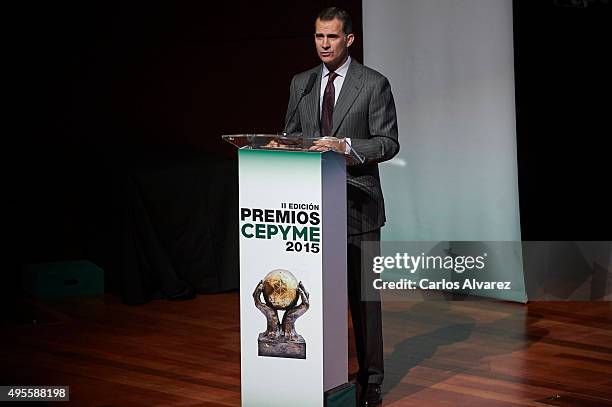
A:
(365, 112)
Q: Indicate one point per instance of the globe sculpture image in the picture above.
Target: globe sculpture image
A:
(281, 291)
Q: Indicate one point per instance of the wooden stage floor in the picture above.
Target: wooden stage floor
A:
(437, 353)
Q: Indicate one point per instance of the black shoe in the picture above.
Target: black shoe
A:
(372, 396)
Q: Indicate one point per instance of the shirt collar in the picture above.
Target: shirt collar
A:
(341, 71)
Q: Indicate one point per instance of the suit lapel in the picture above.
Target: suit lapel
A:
(350, 90)
(313, 103)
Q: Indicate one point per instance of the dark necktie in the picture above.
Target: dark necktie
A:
(327, 110)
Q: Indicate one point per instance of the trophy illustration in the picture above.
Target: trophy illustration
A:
(281, 292)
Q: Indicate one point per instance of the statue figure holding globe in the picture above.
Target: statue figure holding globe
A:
(281, 292)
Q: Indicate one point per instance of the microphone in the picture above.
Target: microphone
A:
(311, 81)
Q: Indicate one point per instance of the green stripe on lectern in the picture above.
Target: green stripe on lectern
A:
(289, 156)
(341, 396)
(267, 162)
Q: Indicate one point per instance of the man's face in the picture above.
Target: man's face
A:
(331, 42)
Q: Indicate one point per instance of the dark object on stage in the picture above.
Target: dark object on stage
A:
(186, 294)
(63, 279)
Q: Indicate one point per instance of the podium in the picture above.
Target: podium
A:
(293, 283)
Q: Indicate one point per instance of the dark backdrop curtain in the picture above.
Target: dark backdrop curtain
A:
(181, 227)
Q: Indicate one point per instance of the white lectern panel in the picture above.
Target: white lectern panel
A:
(292, 215)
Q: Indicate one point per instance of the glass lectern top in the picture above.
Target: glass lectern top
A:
(281, 142)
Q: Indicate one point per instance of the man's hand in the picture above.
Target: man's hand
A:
(281, 142)
(271, 144)
(329, 143)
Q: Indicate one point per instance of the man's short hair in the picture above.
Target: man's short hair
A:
(335, 12)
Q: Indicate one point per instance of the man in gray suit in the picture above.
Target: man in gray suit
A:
(354, 104)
